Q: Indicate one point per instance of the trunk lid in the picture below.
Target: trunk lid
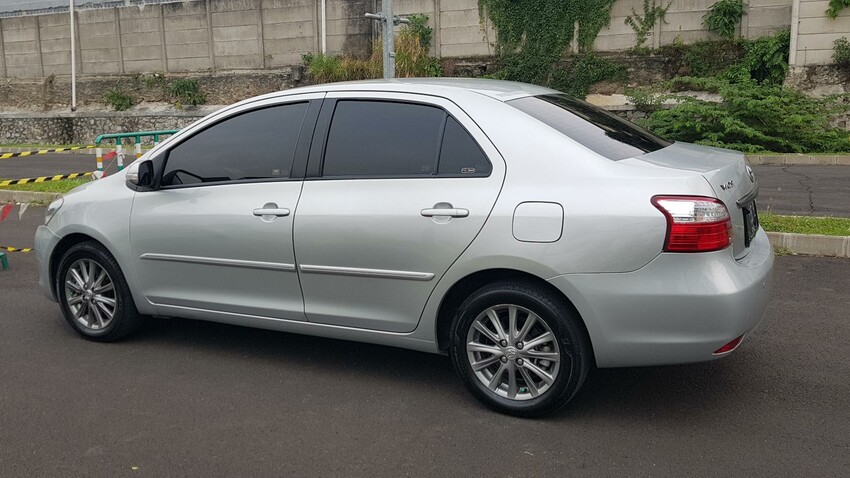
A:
(728, 174)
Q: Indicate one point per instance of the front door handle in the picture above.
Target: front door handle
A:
(447, 212)
(279, 212)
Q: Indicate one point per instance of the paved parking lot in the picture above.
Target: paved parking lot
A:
(194, 398)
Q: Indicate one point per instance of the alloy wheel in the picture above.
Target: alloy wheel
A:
(513, 352)
(90, 294)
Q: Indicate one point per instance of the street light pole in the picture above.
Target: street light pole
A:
(73, 60)
(388, 21)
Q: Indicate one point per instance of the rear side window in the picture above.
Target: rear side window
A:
(460, 154)
(381, 138)
(259, 144)
(594, 128)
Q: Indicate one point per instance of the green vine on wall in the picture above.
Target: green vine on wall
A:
(642, 25)
(533, 35)
(835, 7)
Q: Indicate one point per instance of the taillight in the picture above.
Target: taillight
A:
(694, 223)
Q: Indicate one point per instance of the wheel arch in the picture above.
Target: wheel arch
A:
(462, 288)
(64, 244)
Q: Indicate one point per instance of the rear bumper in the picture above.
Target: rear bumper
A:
(45, 242)
(679, 308)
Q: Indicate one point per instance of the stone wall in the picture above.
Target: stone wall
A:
(220, 88)
(83, 128)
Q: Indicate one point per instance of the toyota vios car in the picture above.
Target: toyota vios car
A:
(525, 233)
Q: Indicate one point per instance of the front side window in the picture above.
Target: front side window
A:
(259, 144)
(382, 138)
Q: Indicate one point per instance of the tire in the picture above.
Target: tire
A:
(86, 303)
(532, 396)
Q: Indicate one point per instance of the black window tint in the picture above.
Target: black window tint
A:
(596, 129)
(259, 144)
(378, 138)
(460, 154)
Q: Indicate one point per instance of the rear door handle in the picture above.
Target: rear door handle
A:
(452, 212)
(279, 212)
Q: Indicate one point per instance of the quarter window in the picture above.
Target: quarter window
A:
(460, 154)
(381, 138)
(259, 144)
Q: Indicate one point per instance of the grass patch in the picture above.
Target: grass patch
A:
(827, 226)
(62, 186)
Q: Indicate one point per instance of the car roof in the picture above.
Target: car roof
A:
(498, 89)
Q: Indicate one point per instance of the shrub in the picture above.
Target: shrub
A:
(583, 71)
(841, 52)
(119, 100)
(419, 27)
(724, 16)
(752, 117)
(186, 91)
(411, 57)
(645, 99)
(766, 60)
(711, 58)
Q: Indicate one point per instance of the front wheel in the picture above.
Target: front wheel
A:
(93, 294)
(519, 349)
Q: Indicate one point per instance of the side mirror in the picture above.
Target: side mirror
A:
(140, 175)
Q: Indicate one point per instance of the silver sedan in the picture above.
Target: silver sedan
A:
(527, 234)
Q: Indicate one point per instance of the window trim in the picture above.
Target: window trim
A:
(299, 161)
(316, 162)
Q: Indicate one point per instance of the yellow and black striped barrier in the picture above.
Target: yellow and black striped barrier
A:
(42, 179)
(16, 249)
(44, 151)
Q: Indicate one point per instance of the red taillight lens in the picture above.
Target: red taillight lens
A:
(694, 223)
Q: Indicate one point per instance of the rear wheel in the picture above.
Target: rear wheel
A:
(93, 295)
(519, 349)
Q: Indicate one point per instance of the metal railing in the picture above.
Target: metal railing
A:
(119, 151)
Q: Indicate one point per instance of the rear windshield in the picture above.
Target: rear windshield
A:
(594, 128)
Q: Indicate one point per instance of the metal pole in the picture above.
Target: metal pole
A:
(388, 21)
(324, 27)
(389, 47)
(73, 60)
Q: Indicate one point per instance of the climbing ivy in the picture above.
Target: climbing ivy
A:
(642, 25)
(533, 35)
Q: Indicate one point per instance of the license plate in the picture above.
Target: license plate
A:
(751, 222)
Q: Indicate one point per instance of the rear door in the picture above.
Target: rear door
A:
(217, 235)
(397, 187)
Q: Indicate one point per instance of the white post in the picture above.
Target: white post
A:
(73, 60)
(795, 27)
(324, 27)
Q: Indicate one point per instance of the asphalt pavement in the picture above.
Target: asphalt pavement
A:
(804, 190)
(52, 164)
(189, 398)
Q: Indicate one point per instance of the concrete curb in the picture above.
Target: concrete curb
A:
(7, 196)
(799, 159)
(811, 244)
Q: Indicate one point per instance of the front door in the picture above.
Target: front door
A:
(217, 234)
(403, 188)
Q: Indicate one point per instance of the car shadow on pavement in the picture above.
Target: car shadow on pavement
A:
(641, 392)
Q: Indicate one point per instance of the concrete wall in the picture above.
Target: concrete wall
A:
(684, 22)
(816, 32)
(195, 35)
